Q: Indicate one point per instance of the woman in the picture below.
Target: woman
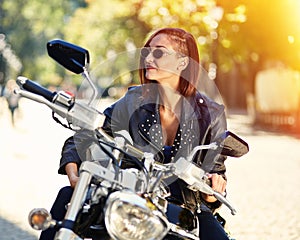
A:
(167, 116)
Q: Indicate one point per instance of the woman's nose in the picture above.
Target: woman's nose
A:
(149, 58)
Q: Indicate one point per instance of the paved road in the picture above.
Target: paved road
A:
(264, 185)
(29, 157)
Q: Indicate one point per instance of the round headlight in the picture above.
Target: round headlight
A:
(129, 216)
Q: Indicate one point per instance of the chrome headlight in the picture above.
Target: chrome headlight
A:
(129, 216)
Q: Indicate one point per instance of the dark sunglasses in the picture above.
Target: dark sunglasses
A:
(156, 53)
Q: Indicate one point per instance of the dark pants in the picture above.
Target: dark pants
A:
(210, 228)
(58, 211)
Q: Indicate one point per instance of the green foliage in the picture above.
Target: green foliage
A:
(243, 33)
(106, 26)
(28, 26)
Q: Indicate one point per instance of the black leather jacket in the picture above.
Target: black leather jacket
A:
(202, 121)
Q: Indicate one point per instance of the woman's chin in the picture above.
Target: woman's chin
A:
(151, 76)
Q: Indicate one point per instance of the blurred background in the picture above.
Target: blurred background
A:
(250, 49)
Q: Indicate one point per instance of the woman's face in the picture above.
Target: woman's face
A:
(166, 69)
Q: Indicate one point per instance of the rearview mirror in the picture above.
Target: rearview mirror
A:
(232, 145)
(70, 56)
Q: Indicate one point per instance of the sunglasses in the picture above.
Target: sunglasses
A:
(157, 53)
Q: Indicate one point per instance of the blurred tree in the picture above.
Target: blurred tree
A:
(107, 28)
(28, 25)
(273, 29)
(121, 22)
(235, 38)
(127, 23)
(268, 34)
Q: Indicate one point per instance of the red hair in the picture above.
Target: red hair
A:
(186, 45)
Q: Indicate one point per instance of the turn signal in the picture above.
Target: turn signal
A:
(40, 219)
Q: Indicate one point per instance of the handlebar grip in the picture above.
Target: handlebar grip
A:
(34, 87)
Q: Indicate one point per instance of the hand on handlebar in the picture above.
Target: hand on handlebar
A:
(218, 184)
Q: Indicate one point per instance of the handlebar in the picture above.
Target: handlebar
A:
(77, 114)
(33, 87)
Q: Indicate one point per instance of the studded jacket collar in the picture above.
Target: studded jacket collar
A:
(202, 121)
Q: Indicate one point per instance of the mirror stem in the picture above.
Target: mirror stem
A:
(87, 76)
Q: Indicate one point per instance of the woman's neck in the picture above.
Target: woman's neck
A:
(169, 111)
(170, 99)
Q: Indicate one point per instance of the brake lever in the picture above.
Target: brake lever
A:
(222, 199)
(196, 178)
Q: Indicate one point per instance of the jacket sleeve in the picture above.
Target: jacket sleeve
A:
(68, 154)
(116, 117)
(75, 149)
(218, 129)
(214, 160)
(214, 121)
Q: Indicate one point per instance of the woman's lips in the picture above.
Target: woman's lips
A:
(149, 67)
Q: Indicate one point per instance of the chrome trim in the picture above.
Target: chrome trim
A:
(177, 231)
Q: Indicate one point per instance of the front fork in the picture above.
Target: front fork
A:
(77, 201)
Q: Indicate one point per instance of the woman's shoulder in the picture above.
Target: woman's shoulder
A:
(203, 100)
(130, 98)
(132, 94)
(210, 109)
(134, 89)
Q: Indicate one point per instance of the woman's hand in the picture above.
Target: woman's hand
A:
(218, 183)
(72, 172)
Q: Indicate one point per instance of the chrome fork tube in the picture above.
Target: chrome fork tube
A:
(77, 201)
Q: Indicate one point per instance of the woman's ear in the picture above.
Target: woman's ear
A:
(183, 63)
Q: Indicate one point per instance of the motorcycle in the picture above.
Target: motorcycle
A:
(111, 202)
